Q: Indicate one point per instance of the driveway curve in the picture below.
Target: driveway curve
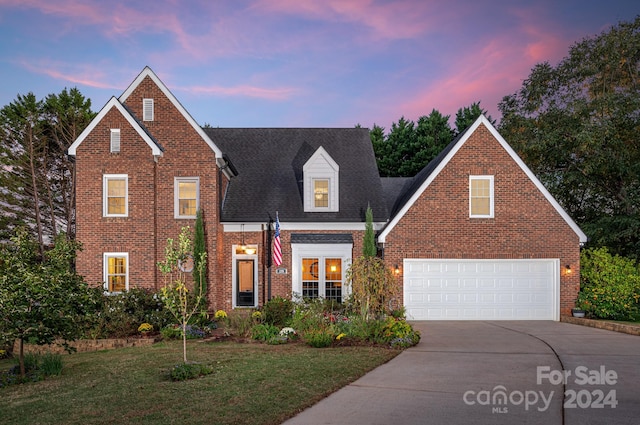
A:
(495, 372)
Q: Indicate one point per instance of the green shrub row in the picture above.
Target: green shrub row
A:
(609, 286)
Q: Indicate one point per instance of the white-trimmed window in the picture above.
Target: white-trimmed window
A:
(115, 195)
(147, 109)
(115, 140)
(481, 196)
(319, 270)
(187, 196)
(116, 271)
(321, 183)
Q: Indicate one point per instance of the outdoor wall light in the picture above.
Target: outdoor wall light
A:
(567, 269)
(397, 270)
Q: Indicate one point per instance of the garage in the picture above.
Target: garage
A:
(464, 289)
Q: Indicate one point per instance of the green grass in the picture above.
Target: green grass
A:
(251, 384)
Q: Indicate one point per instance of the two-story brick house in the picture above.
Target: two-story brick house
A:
(472, 236)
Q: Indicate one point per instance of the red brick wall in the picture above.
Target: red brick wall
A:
(151, 184)
(525, 225)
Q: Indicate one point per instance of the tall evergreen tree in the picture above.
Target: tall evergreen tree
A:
(468, 115)
(369, 248)
(200, 248)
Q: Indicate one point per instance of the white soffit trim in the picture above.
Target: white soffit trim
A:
(298, 227)
(483, 120)
(114, 103)
(147, 72)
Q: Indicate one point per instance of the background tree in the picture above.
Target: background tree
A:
(408, 148)
(577, 124)
(468, 115)
(41, 298)
(66, 116)
(36, 176)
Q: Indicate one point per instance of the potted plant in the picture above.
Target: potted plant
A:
(577, 312)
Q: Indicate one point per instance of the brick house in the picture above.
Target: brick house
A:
(474, 235)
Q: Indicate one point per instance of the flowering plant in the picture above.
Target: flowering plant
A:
(220, 315)
(287, 332)
(256, 315)
(145, 327)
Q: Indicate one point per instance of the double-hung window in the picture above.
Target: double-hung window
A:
(116, 271)
(115, 195)
(481, 197)
(187, 197)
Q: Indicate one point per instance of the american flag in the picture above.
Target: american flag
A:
(277, 249)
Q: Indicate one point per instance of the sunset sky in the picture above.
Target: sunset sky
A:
(295, 63)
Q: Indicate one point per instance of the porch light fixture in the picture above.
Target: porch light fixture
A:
(567, 269)
(244, 248)
(397, 270)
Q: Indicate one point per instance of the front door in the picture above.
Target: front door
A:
(244, 283)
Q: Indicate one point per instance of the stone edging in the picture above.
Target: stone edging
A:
(602, 324)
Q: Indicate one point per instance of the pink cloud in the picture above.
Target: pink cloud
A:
(89, 76)
(394, 20)
(243, 91)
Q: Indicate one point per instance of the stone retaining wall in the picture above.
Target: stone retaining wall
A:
(601, 324)
(85, 345)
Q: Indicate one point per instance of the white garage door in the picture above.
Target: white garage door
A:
(482, 289)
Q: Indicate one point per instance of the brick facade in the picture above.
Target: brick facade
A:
(525, 224)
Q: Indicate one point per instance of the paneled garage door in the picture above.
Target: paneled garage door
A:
(482, 289)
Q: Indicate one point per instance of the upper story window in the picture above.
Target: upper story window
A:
(321, 193)
(481, 196)
(147, 109)
(321, 183)
(187, 196)
(115, 140)
(115, 195)
(116, 271)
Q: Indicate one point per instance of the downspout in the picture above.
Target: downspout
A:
(155, 222)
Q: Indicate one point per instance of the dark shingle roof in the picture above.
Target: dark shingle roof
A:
(320, 238)
(269, 163)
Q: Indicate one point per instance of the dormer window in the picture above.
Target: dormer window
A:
(147, 109)
(321, 193)
(321, 183)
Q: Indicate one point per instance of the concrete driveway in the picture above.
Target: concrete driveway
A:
(533, 372)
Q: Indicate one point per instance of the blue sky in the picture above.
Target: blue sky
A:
(295, 63)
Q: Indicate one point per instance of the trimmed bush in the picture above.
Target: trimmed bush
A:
(278, 312)
(609, 286)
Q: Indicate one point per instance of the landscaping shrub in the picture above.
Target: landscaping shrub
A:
(122, 314)
(264, 332)
(277, 312)
(320, 338)
(174, 331)
(609, 286)
(37, 367)
(241, 322)
(184, 371)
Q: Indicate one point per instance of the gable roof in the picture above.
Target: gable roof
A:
(156, 148)
(147, 72)
(269, 164)
(423, 179)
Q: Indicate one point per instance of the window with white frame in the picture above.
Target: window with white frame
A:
(321, 183)
(116, 271)
(481, 198)
(319, 271)
(187, 196)
(147, 109)
(115, 140)
(115, 195)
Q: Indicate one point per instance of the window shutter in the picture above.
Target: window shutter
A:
(147, 109)
(115, 140)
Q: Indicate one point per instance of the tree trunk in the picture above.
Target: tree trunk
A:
(21, 358)
(36, 198)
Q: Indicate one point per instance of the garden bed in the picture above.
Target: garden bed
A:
(87, 345)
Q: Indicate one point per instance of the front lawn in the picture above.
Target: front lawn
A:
(252, 384)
